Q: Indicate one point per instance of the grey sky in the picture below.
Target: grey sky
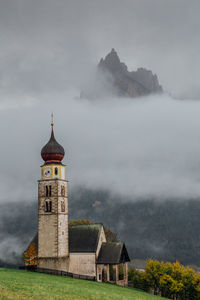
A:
(50, 44)
(137, 147)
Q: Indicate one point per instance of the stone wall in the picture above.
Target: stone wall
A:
(61, 264)
(124, 281)
(83, 264)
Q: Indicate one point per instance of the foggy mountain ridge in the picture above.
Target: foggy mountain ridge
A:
(166, 230)
(112, 78)
(141, 156)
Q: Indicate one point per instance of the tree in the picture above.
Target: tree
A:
(176, 289)
(177, 271)
(191, 284)
(166, 283)
(137, 278)
(153, 272)
(171, 280)
(80, 222)
(31, 255)
(110, 235)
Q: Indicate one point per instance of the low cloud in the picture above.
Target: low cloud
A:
(135, 147)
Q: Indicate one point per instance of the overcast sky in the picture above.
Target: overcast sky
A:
(47, 44)
(136, 147)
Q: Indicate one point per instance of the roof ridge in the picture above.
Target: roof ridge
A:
(94, 224)
(113, 243)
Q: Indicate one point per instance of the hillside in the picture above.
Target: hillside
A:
(15, 284)
(164, 230)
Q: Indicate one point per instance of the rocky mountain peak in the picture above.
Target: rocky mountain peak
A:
(114, 79)
(112, 62)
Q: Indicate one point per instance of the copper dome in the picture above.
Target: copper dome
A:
(52, 151)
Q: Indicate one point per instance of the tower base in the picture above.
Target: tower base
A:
(54, 263)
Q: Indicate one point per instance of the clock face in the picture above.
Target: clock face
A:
(47, 172)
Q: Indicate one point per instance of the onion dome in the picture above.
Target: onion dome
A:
(52, 151)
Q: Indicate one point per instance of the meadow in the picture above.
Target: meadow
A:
(17, 284)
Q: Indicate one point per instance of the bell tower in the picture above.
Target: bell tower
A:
(53, 248)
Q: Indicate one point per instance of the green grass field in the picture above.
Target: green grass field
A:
(15, 284)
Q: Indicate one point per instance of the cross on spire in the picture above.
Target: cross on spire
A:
(52, 123)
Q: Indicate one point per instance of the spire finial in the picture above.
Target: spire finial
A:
(52, 123)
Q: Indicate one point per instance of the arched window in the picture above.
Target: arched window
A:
(47, 191)
(62, 206)
(48, 206)
(62, 191)
(50, 191)
(56, 171)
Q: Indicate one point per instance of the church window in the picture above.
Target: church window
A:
(63, 191)
(62, 206)
(47, 191)
(48, 206)
(56, 171)
(50, 191)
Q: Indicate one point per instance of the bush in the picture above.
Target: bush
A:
(170, 280)
(138, 280)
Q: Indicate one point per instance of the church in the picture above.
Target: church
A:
(77, 249)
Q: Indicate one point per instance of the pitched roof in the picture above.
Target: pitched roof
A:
(113, 253)
(84, 238)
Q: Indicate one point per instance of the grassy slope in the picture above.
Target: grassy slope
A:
(15, 284)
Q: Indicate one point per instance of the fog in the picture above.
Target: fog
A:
(134, 148)
(143, 147)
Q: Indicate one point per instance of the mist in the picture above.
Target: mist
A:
(134, 149)
(142, 147)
